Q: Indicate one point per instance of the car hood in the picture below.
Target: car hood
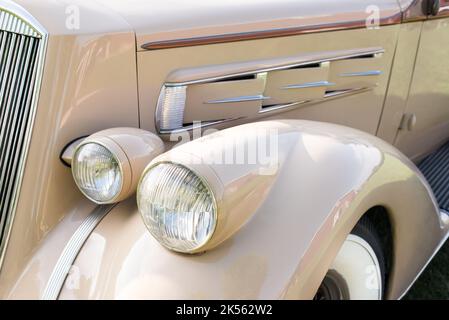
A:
(161, 20)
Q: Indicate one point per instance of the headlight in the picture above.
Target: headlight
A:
(177, 206)
(107, 165)
(97, 172)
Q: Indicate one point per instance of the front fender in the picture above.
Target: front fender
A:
(328, 176)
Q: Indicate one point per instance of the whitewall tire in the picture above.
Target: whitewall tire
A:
(357, 272)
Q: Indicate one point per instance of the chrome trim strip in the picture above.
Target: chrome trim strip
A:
(362, 74)
(339, 93)
(20, 12)
(71, 251)
(239, 99)
(329, 96)
(199, 125)
(164, 124)
(260, 73)
(173, 117)
(376, 51)
(317, 84)
(265, 34)
(282, 106)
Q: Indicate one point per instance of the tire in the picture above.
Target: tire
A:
(358, 271)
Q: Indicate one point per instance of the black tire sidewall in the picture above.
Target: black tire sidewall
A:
(366, 230)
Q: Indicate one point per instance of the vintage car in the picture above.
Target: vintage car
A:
(279, 149)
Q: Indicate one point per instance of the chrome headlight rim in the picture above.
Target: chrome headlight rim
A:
(117, 160)
(211, 191)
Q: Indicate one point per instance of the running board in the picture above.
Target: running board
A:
(436, 170)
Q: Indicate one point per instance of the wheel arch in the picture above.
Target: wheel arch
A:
(281, 253)
(328, 177)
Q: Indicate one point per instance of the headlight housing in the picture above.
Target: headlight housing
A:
(97, 172)
(178, 207)
(107, 165)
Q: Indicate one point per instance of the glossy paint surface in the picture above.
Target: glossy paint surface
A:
(89, 84)
(429, 93)
(361, 111)
(207, 18)
(121, 260)
(401, 77)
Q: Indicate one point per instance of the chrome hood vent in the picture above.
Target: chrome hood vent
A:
(22, 47)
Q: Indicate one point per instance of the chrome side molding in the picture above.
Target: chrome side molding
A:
(339, 93)
(328, 96)
(200, 125)
(317, 84)
(278, 107)
(239, 99)
(171, 106)
(261, 68)
(362, 74)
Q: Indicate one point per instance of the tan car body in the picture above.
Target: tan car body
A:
(278, 234)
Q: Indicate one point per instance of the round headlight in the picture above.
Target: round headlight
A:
(177, 206)
(97, 172)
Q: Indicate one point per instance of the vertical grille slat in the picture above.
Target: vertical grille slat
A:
(14, 139)
(19, 53)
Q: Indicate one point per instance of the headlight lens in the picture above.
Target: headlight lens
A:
(177, 207)
(97, 173)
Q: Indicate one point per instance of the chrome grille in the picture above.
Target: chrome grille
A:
(20, 51)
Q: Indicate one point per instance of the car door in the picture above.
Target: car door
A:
(285, 68)
(427, 108)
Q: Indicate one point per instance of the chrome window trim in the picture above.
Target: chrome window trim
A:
(21, 13)
(71, 250)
